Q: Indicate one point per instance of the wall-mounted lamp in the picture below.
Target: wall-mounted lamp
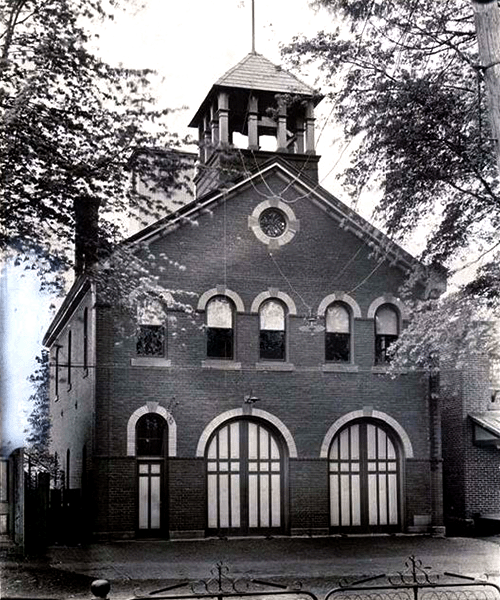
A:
(251, 399)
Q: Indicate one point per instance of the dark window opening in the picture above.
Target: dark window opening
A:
(272, 345)
(151, 435)
(220, 330)
(56, 371)
(151, 340)
(69, 359)
(86, 338)
(337, 347)
(338, 333)
(219, 342)
(382, 345)
(386, 332)
(272, 336)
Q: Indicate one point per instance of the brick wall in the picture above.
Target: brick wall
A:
(220, 249)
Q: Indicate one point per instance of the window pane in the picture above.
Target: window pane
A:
(337, 319)
(386, 321)
(382, 344)
(150, 434)
(272, 316)
(272, 345)
(337, 347)
(220, 313)
(219, 343)
(151, 340)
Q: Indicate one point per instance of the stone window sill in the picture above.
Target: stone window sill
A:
(150, 361)
(339, 368)
(274, 366)
(222, 365)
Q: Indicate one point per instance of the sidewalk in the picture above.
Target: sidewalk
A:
(140, 567)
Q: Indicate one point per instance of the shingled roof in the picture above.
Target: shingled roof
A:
(258, 73)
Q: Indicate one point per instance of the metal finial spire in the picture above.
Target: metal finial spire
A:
(253, 26)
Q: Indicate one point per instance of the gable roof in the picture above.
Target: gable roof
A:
(256, 72)
(347, 218)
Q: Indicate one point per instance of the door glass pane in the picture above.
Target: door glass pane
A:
(356, 500)
(155, 502)
(235, 501)
(224, 501)
(235, 440)
(252, 440)
(264, 500)
(143, 502)
(334, 501)
(264, 443)
(276, 500)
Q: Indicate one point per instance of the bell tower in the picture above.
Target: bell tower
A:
(254, 112)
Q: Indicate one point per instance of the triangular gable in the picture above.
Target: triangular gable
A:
(486, 428)
(348, 219)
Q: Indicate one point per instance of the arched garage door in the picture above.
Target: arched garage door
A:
(365, 479)
(246, 468)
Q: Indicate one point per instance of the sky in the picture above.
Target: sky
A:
(190, 43)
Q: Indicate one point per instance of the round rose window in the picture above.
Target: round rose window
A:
(273, 222)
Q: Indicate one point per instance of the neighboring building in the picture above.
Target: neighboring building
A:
(267, 409)
(471, 446)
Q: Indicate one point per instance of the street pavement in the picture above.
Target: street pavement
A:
(141, 567)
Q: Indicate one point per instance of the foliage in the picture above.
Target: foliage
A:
(39, 419)
(404, 81)
(69, 124)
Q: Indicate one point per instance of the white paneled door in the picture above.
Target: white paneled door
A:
(150, 497)
(365, 474)
(245, 470)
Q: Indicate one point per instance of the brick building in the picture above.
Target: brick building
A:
(267, 408)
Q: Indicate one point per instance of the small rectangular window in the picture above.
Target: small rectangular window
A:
(337, 347)
(69, 359)
(272, 344)
(151, 340)
(56, 371)
(86, 338)
(382, 344)
(219, 342)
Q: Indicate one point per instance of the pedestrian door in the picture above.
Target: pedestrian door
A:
(245, 480)
(151, 444)
(150, 479)
(365, 473)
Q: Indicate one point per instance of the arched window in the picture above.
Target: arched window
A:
(220, 327)
(386, 331)
(272, 330)
(150, 435)
(338, 333)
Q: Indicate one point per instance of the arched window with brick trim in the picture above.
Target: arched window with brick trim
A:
(272, 327)
(337, 333)
(386, 331)
(220, 327)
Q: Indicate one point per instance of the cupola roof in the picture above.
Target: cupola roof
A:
(257, 73)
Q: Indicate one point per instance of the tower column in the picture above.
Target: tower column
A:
(253, 125)
(300, 135)
(310, 128)
(281, 126)
(214, 126)
(223, 114)
(207, 137)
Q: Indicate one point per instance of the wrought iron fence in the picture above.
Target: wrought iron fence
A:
(415, 582)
